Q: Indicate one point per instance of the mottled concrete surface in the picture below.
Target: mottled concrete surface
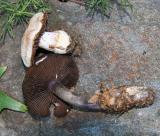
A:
(121, 50)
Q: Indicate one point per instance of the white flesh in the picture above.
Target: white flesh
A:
(57, 41)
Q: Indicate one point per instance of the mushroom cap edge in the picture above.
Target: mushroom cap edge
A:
(30, 39)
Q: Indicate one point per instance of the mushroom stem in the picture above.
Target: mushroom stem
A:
(76, 102)
(57, 41)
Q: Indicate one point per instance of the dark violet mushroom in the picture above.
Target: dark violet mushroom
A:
(41, 81)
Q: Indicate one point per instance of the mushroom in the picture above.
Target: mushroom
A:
(35, 37)
(42, 78)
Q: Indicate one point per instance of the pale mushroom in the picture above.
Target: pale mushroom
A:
(35, 37)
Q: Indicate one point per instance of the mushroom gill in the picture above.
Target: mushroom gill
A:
(41, 80)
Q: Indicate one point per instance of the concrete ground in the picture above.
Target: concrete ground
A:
(122, 50)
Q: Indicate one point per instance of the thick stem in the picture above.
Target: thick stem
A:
(77, 102)
(57, 41)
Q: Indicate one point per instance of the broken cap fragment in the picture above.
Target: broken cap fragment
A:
(35, 36)
(61, 109)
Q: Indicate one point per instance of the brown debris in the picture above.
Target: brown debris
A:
(123, 98)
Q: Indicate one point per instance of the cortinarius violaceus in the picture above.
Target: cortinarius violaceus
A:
(41, 81)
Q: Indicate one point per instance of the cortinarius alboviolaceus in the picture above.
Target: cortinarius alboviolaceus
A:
(35, 37)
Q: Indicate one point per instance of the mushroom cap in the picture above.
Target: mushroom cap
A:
(30, 39)
(41, 80)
